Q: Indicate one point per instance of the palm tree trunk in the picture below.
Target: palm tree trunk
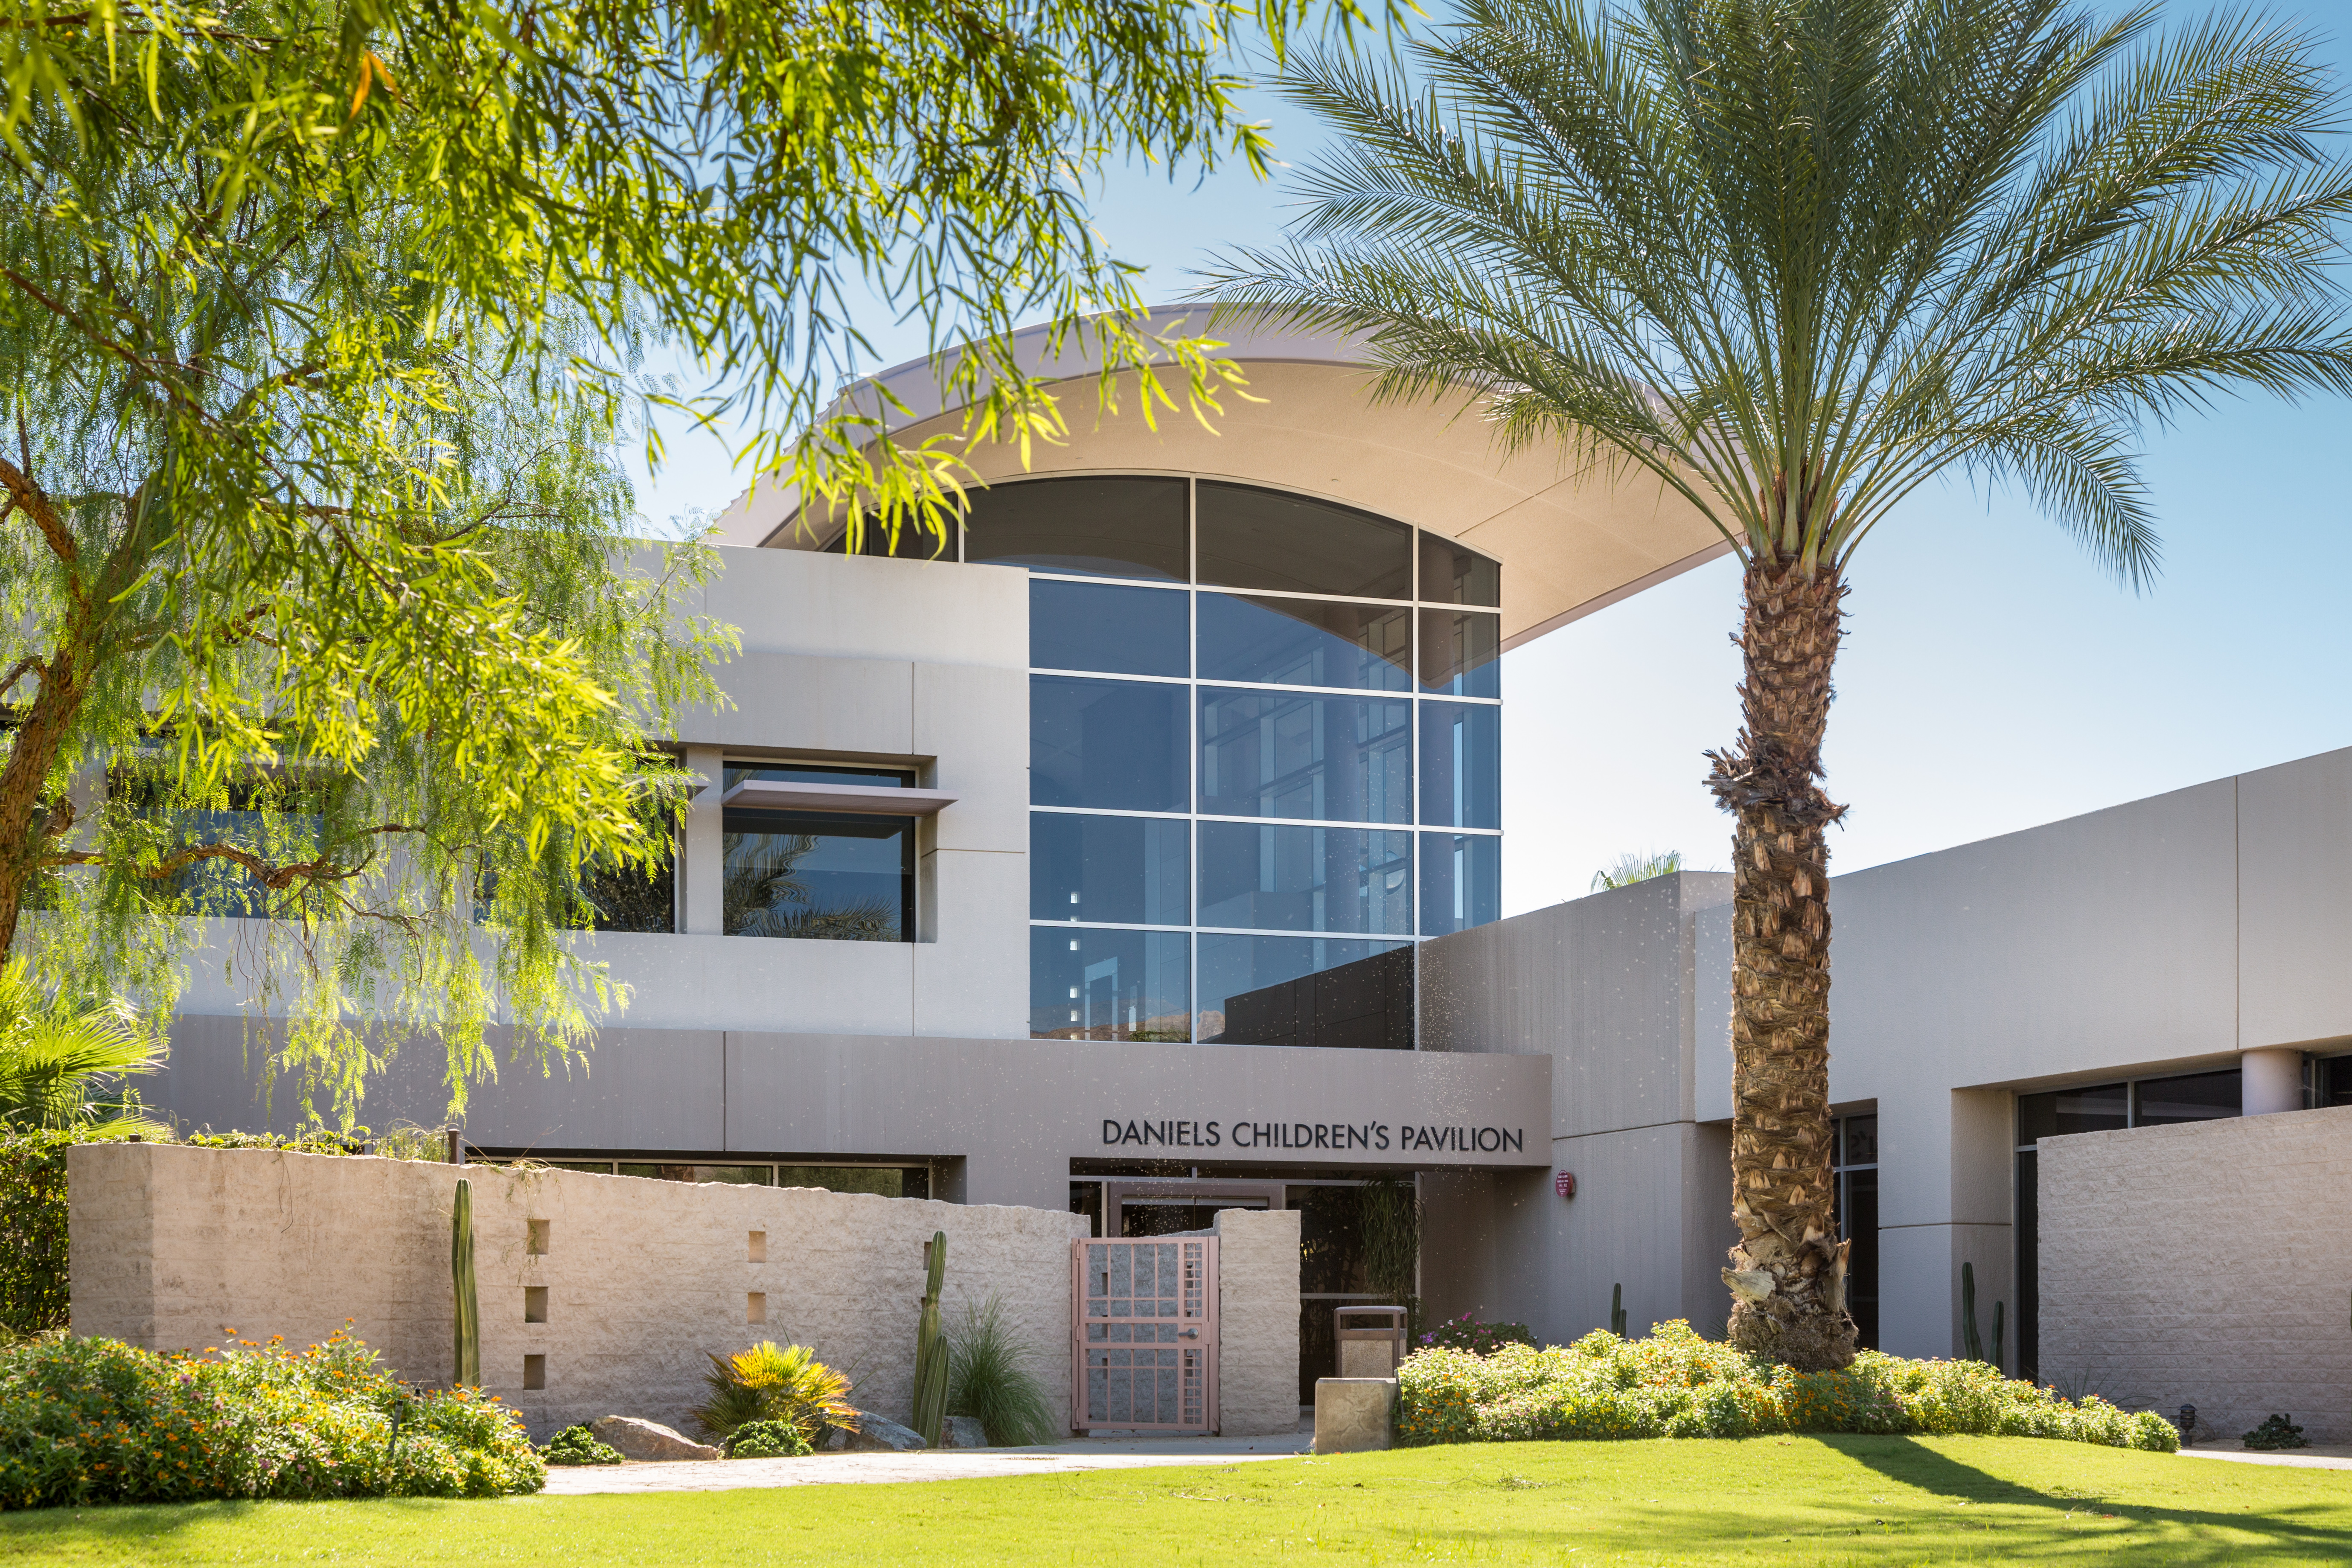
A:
(1788, 1273)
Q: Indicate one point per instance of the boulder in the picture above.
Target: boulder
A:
(963, 1432)
(640, 1439)
(874, 1434)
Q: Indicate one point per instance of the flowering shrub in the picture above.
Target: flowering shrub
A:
(93, 1421)
(1675, 1384)
(1479, 1339)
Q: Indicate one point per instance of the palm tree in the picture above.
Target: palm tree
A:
(1634, 866)
(56, 1060)
(1795, 258)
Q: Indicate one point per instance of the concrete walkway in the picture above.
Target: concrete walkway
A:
(2318, 1456)
(926, 1465)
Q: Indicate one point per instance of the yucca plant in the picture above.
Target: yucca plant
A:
(775, 1382)
(1792, 260)
(989, 1378)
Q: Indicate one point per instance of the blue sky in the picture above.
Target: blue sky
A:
(1992, 677)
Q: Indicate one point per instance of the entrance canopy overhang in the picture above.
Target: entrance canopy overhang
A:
(1573, 539)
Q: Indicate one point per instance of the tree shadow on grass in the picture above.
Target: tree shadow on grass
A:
(125, 1525)
(2313, 1532)
(1821, 1521)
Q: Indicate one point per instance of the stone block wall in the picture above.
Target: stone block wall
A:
(176, 1248)
(2204, 1264)
(1257, 1321)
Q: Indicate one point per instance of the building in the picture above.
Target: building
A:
(1144, 860)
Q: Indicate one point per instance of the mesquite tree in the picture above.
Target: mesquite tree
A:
(321, 605)
(1795, 258)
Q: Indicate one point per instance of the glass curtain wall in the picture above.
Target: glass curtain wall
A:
(1264, 739)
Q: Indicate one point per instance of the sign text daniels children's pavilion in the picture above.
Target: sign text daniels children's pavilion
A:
(1305, 1136)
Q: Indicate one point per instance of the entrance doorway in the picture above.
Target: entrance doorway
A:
(1143, 1334)
(1358, 1235)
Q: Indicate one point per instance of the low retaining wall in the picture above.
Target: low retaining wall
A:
(176, 1248)
(2205, 1264)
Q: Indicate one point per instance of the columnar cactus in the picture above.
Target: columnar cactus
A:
(1617, 1311)
(461, 1281)
(931, 1350)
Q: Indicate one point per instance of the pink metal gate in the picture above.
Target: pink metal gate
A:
(1143, 1334)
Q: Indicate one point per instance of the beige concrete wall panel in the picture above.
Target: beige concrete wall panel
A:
(2202, 1264)
(974, 980)
(807, 703)
(644, 1279)
(976, 722)
(1258, 1322)
(1597, 982)
(1711, 1015)
(2294, 843)
(976, 1097)
(2034, 954)
(873, 607)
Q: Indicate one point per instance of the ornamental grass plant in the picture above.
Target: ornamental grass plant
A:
(989, 1379)
(1675, 1384)
(97, 1421)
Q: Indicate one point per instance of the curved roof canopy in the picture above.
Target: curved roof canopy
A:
(1572, 541)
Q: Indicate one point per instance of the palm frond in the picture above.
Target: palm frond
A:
(1797, 258)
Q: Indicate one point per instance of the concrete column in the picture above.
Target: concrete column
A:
(700, 868)
(2273, 1080)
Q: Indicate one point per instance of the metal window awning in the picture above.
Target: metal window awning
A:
(871, 800)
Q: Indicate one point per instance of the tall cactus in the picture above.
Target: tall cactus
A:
(931, 1350)
(1971, 1346)
(461, 1281)
(1617, 1311)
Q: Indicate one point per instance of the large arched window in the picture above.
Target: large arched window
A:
(1264, 756)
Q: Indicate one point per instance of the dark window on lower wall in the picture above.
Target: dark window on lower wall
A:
(812, 876)
(2199, 1097)
(1305, 991)
(1855, 1168)
(632, 899)
(2331, 1081)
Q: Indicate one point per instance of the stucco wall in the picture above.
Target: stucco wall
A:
(179, 1248)
(1257, 1321)
(2203, 1265)
(1603, 986)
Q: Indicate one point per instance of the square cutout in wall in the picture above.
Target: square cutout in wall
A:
(537, 1243)
(759, 1247)
(534, 1372)
(755, 1307)
(535, 1304)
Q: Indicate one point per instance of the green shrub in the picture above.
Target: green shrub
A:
(578, 1445)
(2278, 1431)
(35, 1293)
(1675, 1384)
(767, 1440)
(1479, 1339)
(97, 1421)
(989, 1378)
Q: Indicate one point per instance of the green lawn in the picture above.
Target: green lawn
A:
(1768, 1501)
